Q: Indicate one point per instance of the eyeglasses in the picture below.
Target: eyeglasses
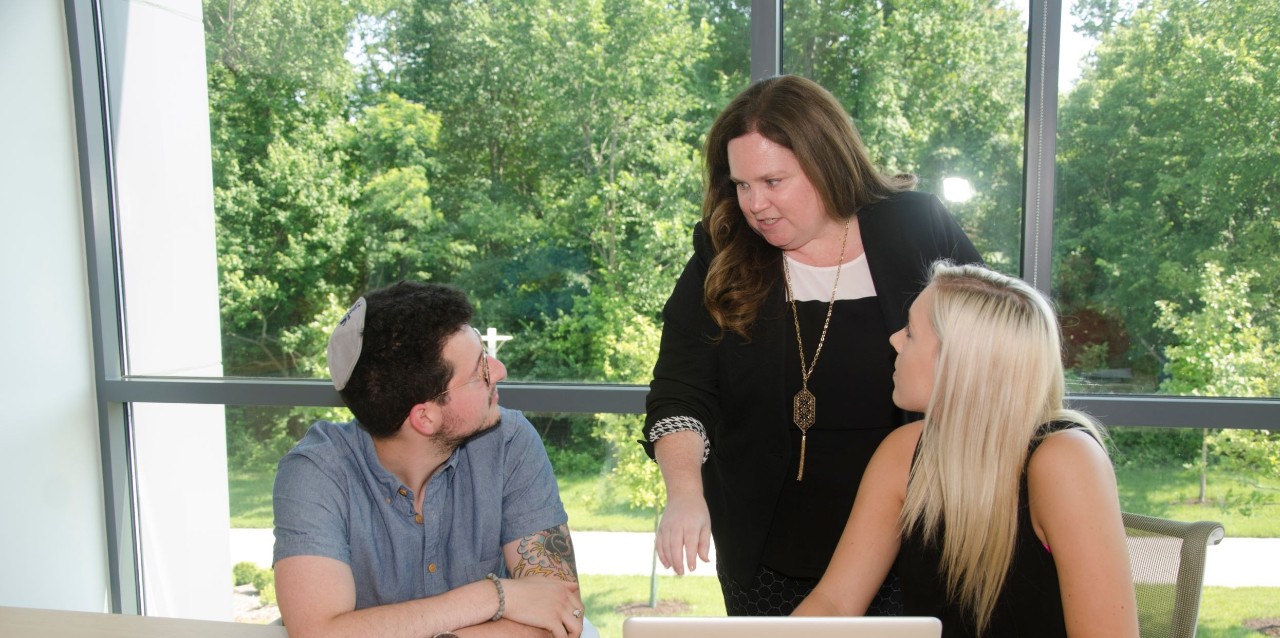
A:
(484, 372)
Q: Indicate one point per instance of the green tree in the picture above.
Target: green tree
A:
(1221, 351)
(1098, 17)
(569, 162)
(1167, 157)
(316, 198)
(278, 89)
(278, 233)
(400, 234)
(726, 67)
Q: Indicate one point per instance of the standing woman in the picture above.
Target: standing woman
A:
(1000, 505)
(773, 383)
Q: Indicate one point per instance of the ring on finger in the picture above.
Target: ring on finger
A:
(577, 613)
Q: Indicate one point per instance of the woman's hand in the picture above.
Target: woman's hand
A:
(684, 535)
(547, 603)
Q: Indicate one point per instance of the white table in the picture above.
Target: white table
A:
(17, 622)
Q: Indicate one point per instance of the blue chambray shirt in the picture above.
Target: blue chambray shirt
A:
(333, 498)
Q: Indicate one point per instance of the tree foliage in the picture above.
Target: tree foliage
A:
(1098, 17)
(1221, 351)
(569, 164)
(1167, 162)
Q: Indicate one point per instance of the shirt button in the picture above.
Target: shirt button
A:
(431, 568)
(403, 492)
(419, 519)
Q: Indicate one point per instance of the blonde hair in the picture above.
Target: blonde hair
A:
(998, 377)
(798, 114)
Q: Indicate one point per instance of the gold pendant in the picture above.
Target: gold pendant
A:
(805, 412)
(805, 409)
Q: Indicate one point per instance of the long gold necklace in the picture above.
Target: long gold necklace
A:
(805, 406)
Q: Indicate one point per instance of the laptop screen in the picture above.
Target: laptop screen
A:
(784, 626)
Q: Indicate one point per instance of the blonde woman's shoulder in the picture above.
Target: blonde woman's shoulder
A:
(907, 435)
(1075, 512)
(1070, 484)
(891, 462)
(1065, 453)
(900, 446)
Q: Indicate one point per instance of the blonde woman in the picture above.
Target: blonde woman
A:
(1000, 506)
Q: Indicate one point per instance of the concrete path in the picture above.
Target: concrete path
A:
(1235, 562)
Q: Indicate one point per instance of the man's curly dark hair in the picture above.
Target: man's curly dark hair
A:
(402, 359)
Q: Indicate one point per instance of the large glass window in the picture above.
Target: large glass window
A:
(269, 161)
(545, 161)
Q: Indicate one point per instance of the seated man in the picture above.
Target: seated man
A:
(434, 512)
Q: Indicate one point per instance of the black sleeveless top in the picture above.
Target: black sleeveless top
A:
(1030, 604)
(852, 385)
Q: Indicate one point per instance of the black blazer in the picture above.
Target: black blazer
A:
(735, 388)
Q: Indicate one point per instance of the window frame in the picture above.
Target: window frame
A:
(116, 391)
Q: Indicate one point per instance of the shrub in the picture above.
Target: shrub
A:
(263, 580)
(1155, 447)
(267, 595)
(243, 572)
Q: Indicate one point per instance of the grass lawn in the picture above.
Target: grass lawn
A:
(607, 597)
(589, 509)
(1246, 506)
(250, 495)
(1224, 612)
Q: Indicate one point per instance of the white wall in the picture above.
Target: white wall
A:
(52, 539)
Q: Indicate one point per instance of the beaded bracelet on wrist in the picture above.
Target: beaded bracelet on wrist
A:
(502, 597)
(673, 424)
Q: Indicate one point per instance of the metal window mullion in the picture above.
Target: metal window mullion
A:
(1043, 36)
(532, 397)
(1135, 410)
(766, 38)
(1179, 412)
(84, 46)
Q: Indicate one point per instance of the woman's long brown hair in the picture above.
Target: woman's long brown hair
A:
(805, 118)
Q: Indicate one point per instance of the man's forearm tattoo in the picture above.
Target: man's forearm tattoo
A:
(547, 553)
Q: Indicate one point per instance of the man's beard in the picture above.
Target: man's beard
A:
(450, 438)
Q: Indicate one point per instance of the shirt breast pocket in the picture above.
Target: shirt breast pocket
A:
(477, 571)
